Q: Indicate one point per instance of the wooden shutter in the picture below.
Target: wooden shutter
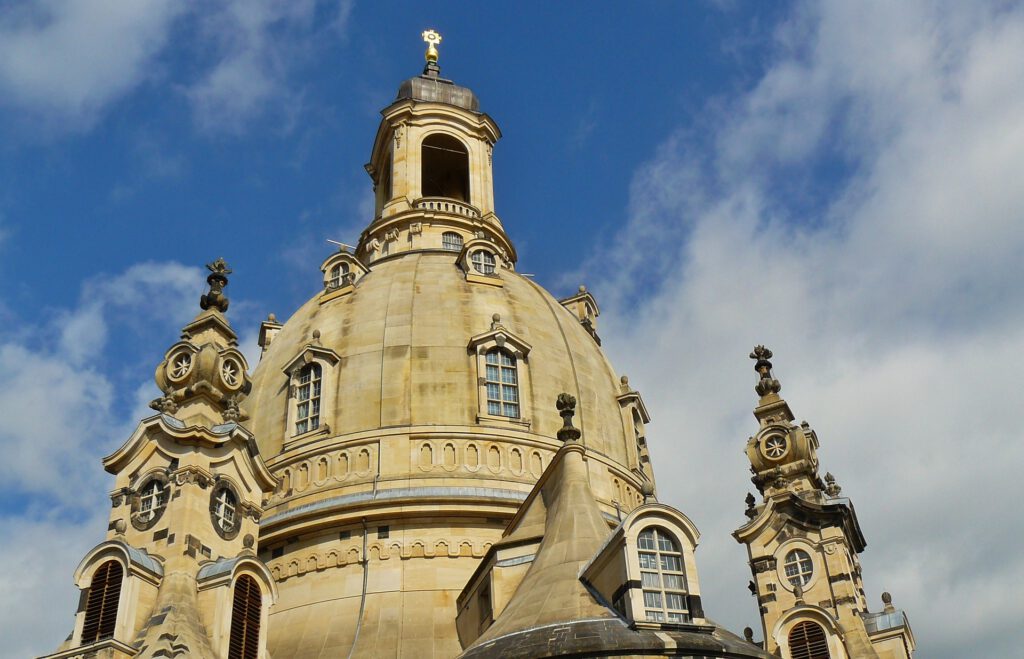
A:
(245, 619)
(101, 604)
(807, 641)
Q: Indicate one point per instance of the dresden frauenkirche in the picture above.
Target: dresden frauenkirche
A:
(434, 458)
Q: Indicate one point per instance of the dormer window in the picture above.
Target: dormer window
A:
(451, 241)
(662, 576)
(445, 167)
(307, 398)
(338, 273)
(483, 262)
(502, 384)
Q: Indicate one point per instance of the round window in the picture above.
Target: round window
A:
(225, 512)
(774, 447)
(799, 567)
(180, 365)
(231, 372)
(149, 503)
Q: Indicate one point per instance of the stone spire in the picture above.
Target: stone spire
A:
(204, 376)
(782, 454)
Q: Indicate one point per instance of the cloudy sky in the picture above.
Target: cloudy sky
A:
(841, 182)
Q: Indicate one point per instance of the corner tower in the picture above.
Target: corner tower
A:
(178, 574)
(803, 540)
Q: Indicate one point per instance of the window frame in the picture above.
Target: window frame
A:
(139, 522)
(308, 399)
(450, 246)
(505, 366)
(328, 361)
(661, 612)
(106, 626)
(804, 567)
(499, 337)
(781, 555)
(238, 512)
(486, 265)
(249, 649)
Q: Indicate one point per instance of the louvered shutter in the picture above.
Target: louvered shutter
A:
(101, 603)
(245, 619)
(807, 641)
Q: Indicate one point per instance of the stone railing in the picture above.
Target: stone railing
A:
(446, 205)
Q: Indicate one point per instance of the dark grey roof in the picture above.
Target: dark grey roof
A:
(613, 637)
(431, 87)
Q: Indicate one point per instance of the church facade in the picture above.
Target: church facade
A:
(434, 458)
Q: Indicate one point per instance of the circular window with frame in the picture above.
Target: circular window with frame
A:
(180, 365)
(150, 501)
(797, 569)
(775, 446)
(231, 373)
(225, 511)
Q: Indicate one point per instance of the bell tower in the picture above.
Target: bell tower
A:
(431, 170)
(178, 574)
(803, 540)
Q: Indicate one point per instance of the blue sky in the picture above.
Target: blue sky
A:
(838, 181)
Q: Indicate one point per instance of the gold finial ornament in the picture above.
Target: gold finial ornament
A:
(432, 38)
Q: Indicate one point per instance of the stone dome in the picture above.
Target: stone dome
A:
(408, 409)
(402, 339)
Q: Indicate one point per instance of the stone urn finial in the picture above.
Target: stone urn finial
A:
(566, 405)
(767, 384)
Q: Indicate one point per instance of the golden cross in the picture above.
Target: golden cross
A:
(432, 38)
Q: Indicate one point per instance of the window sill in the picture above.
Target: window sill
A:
(490, 280)
(324, 429)
(503, 421)
(335, 293)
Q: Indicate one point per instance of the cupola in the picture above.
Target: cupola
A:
(431, 170)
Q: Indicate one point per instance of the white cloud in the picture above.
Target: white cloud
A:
(257, 43)
(68, 60)
(894, 307)
(60, 416)
(64, 63)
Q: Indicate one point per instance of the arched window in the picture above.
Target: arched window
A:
(451, 241)
(307, 399)
(337, 277)
(662, 576)
(245, 619)
(483, 262)
(799, 567)
(807, 641)
(101, 603)
(445, 167)
(502, 384)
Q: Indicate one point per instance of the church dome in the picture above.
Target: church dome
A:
(402, 340)
(408, 408)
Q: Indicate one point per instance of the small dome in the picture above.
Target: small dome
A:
(435, 89)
